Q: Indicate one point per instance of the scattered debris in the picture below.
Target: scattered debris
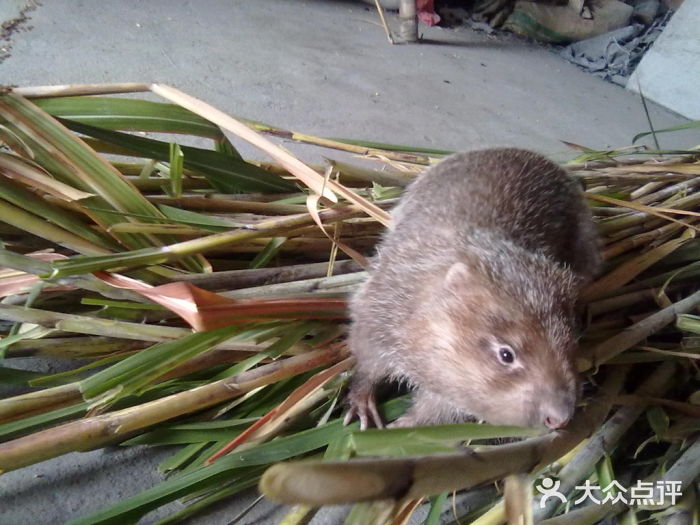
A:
(614, 55)
(10, 27)
(607, 38)
(566, 23)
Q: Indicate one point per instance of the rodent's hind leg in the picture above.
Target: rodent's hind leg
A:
(361, 402)
(429, 409)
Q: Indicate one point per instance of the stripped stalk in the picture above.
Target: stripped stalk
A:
(632, 335)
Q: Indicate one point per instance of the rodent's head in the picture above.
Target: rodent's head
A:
(507, 360)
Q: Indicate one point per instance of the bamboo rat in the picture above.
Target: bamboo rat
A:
(471, 297)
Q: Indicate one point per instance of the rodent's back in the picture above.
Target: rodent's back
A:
(513, 193)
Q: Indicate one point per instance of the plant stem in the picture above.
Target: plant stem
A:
(322, 483)
(266, 276)
(27, 405)
(605, 439)
(632, 335)
(97, 431)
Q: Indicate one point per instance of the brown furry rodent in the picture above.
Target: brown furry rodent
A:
(471, 297)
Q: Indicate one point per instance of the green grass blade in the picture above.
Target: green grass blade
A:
(688, 323)
(226, 173)
(229, 467)
(223, 145)
(231, 489)
(436, 504)
(133, 373)
(38, 226)
(203, 432)
(268, 253)
(206, 222)
(129, 115)
(72, 162)
(16, 376)
(29, 424)
(679, 127)
(176, 167)
(394, 147)
(439, 438)
(28, 201)
(223, 470)
(292, 335)
(182, 458)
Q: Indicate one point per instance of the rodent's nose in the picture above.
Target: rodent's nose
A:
(556, 422)
(557, 413)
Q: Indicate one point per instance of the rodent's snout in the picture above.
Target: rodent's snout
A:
(557, 415)
(555, 422)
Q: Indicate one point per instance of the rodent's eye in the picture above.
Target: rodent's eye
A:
(506, 354)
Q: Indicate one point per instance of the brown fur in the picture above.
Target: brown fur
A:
(488, 248)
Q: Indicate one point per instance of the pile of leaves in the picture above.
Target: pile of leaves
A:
(204, 297)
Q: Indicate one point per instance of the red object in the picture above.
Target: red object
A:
(426, 12)
(205, 310)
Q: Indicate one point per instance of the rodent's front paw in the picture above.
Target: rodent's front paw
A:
(361, 404)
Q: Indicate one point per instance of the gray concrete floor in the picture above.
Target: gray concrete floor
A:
(322, 67)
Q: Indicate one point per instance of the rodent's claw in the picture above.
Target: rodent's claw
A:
(365, 409)
(349, 416)
(376, 418)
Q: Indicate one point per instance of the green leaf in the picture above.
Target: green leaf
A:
(679, 127)
(28, 201)
(229, 468)
(133, 373)
(688, 323)
(70, 161)
(224, 469)
(245, 481)
(16, 376)
(433, 439)
(658, 421)
(176, 167)
(70, 376)
(182, 458)
(436, 504)
(29, 424)
(265, 256)
(206, 222)
(130, 115)
(292, 334)
(227, 174)
(193, 433)
(35, 332)
(394, 147)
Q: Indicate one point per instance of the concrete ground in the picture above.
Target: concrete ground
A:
(318, 66)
